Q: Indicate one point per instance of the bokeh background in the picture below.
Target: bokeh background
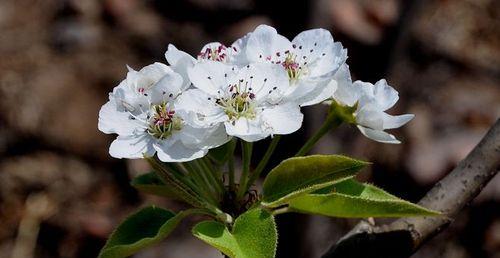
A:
(61, 194)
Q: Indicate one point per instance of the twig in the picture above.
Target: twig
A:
(404, 236)
(38, 208)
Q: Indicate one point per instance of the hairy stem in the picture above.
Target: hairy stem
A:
(333, 120)
(246, 148)
(263, 162)
(230, 166)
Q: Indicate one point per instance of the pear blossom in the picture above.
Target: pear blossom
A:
(181, 61)
(371, 102)
(248, 100)
(142, 110)
(311, 59)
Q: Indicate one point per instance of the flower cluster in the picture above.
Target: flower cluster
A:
(252, 89)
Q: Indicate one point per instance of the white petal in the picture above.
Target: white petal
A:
(316, 50)
(385, 95)
(319, 92)
(127, 98)
(204, 137)
(180, 62)
(168, 88)
(283, 119)
(199, 109)
(238, 51)
(379, 136)
(177, 152)
(370, 116)
(174, 55)
(132, 147)
(265, 43)
(111, 120)
(346, 93)
(155, 71)
(249, 130)
(210, 76)
(265, 80)
(391, 122)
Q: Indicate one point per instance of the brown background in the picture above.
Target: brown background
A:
(61, 194)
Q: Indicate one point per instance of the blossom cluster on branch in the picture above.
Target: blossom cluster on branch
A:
(252, 89)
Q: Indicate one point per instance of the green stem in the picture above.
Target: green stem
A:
(208, 175)
(187, 193)
(263, 162)
(246, 148)
(230, 165)
(203, 185)
(215, 174)
(332, 120)
(180, 174)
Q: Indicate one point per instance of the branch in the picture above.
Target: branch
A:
(404, 236)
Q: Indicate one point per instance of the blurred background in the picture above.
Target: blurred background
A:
(61, 194)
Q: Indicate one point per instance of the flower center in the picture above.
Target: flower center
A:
(214, 53)
(238, 104)
(163, 121)
(292, 67)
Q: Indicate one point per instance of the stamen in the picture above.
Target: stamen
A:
(163, 121)
(239, 102)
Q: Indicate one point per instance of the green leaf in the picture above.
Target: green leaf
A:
(351, 199)
(253, 235)
(150, 183)
(300, 175)
(146, 227)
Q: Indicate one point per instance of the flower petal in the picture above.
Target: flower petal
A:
(210, 76)
(283, 119)
(346, 93)
(198, 109)
(249, 130)
(177, 152)
(180, 62)
(211, 137)
(319, 91)
(323, 56)
(132, 146)
(264, 43)
(379, 136)
(168, 88)
(238, 51)
(111, 120)
(385, 95)
(267, 81)
(391, 122)
(370, 116)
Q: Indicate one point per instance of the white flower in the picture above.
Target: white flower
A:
(181, 61)
(248, 100)
(372, 102)
(142, 111)
(311, 59)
